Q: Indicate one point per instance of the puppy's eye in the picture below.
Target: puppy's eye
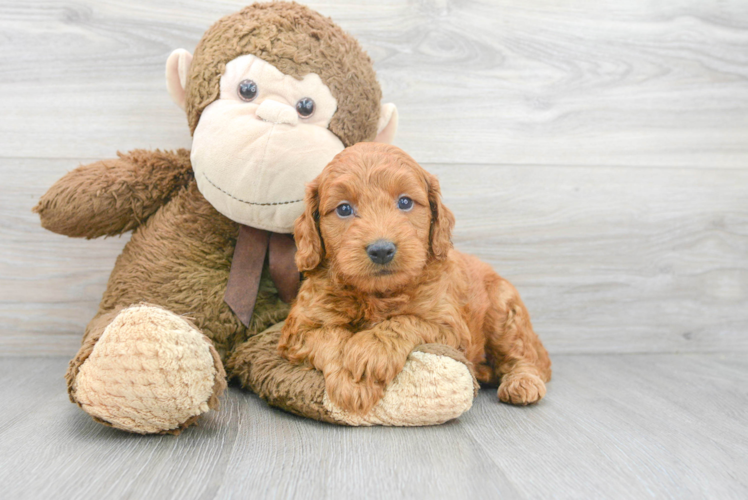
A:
(344, 210)
(404, 203)
(247, 90)
(305, 107)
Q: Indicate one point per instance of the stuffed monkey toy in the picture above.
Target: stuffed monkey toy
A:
(200, 291)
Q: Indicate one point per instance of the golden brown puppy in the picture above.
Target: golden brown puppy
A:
(382, 278)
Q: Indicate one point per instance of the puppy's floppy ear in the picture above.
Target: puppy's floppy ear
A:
(306, 231)
(442, 221)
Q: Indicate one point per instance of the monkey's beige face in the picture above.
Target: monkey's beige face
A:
(257, 145)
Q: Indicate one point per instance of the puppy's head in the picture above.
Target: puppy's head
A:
(374, 218)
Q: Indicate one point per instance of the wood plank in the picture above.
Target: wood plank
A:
(615, 426)
(52, 449)
(627, 427)
(613, 259)
(476, 82)
(50, 285)
(304, 459)
(608, 259)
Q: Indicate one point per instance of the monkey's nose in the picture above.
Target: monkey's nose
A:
(381, 251)
(276, 112)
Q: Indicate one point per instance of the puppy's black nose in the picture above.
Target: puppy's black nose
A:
(381, 251)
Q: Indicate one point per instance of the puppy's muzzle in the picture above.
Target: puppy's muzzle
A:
(381, 251)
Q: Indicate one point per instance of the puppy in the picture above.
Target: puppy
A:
(382, 277)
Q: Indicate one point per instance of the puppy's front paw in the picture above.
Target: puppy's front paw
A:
(521, 389)
(355, 397)
(369, 360)
(435, 386)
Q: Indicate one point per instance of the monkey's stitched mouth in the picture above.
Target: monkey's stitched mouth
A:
(267, 204)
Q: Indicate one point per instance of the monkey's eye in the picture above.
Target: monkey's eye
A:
(247, 90)
(305, 107)
(404, 203)
(344, 210)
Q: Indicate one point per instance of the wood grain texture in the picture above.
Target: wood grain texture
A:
(611, 261)
(483, 81)
(606, 261)
(596, 155)
(615, 426)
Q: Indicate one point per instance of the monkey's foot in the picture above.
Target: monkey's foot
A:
(435, 386)
(150, 372)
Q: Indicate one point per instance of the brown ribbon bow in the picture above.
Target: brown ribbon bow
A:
(246, 269)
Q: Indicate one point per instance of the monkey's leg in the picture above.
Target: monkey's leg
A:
(518, 357)
(436, 385)
(145, 369)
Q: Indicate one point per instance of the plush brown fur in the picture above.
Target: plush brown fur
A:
(297, 41)
(357, 321)
(127, 190)
(181, 249)
(178, 258)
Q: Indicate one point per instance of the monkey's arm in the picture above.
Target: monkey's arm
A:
(111, 197)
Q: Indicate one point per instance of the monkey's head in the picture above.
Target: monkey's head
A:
(272, 94)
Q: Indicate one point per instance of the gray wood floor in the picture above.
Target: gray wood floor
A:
(595, 153)
(613, 426)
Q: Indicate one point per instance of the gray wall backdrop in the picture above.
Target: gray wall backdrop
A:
(596, 155)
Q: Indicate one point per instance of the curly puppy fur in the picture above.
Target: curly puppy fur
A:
(357, 321)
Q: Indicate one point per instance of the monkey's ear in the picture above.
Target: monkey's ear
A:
(387, 124)
(306, 231)
(442, 221)
(177, 69)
